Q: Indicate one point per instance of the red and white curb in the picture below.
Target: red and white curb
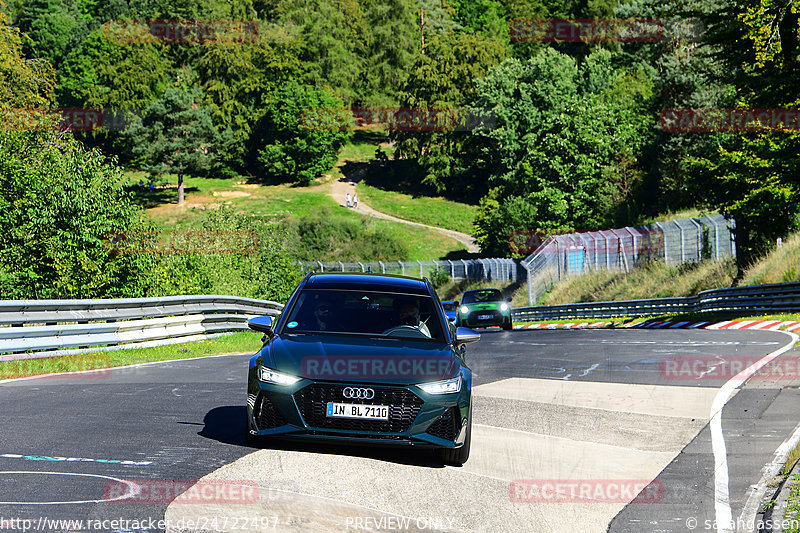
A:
(570, 325)
(785, 325)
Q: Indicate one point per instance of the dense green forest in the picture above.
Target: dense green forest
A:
(570, 134)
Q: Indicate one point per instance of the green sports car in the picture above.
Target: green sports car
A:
(483, 308)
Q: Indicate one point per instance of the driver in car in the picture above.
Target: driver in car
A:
(407, 312)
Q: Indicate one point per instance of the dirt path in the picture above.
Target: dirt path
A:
(347, 184)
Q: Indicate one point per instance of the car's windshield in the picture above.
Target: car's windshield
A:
(482, 296)
(365, 313)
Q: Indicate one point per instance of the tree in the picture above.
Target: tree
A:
(331, 40)
(23, 83)
(237, 80)
(441, 84)
(754, 177)
(54, 26)
(176, 135)
(291, 144)
(562, 144)
(392, 46)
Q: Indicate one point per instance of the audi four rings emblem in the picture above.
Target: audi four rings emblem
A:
(356, 393)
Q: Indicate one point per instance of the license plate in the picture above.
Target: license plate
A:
(485, 317)
(353, 410)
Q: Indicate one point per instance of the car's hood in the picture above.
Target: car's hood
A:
(360, 359)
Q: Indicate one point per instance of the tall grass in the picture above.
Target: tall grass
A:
(654, 280)
(779, 266)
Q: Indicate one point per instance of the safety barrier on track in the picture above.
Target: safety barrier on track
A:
(44, 328)
(749, 300)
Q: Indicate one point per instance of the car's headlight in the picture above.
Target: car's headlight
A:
(464, 309)
(442, 387)
(268, 375)
(504, 307)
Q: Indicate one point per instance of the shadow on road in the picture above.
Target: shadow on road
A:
(227, 425)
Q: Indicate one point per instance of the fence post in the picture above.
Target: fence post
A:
(716, 237)
(402, 267)
(383, 267)
(341, 265)
(321, 267)
(466, 269)
(528, 281)
(683, 242)
(361, 265)
(664, 233)
(635, 251)
(421, 275)
(452, 270)
(699, 238)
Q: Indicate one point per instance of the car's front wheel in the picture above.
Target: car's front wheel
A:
(457, 456)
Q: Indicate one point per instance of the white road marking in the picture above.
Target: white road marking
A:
(133, 488)
(748, 516)
(72, 459)
(722, 504)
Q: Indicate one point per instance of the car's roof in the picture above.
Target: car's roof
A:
(367, 282)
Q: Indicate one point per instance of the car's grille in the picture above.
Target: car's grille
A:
(403, 408)
(444, 427)
(267, 417)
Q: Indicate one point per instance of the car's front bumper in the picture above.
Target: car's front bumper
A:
(415, 418)
(496, 318)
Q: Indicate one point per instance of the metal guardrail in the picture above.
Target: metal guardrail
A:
(44, 328)
(753, 299)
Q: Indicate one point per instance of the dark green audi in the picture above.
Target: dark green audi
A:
(363, 358)
(482, 308)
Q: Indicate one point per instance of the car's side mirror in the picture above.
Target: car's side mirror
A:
(261, 323)
(467, 335)
(456, 303)
(508, 300)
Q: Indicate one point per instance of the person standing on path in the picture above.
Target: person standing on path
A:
(355, 200)
(347, 199)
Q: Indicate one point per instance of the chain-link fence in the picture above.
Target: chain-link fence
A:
(503, 270)
(676, 242)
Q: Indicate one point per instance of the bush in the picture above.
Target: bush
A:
(59, 203)
(324, 236)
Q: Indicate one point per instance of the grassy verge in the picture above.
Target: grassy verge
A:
(654, 280)
(276, 203)
(779, 266)
(241, 342)
(431, 211)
